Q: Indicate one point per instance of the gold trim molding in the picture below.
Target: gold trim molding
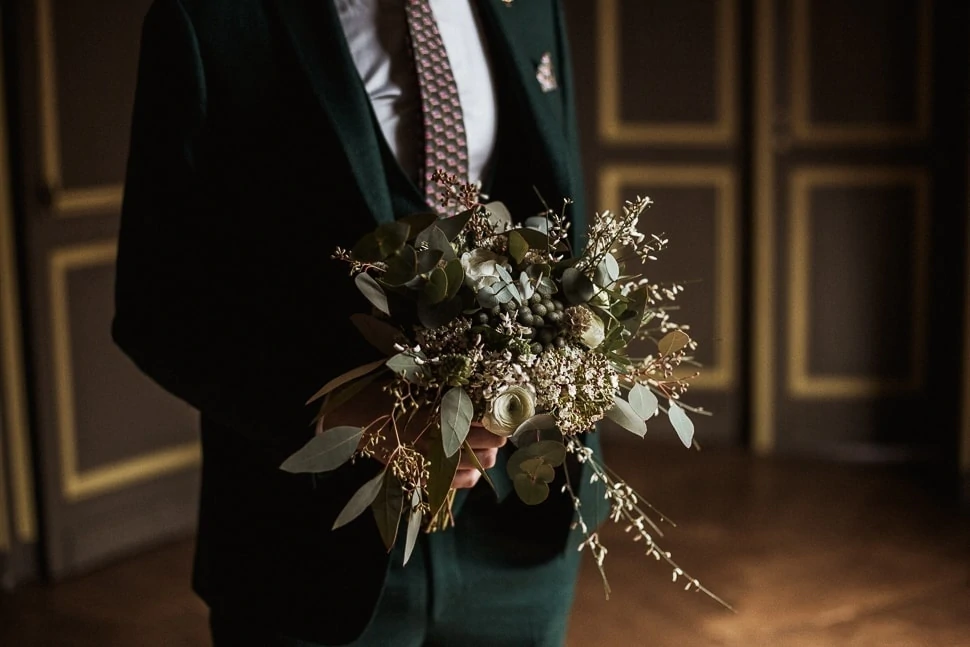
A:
(965, 409)
(611, 180)
(12, 374)
(763, 352)
(4, 514)
(807, 131)
(65, 202)
(801, 382)
(77, 485)
(612, 127)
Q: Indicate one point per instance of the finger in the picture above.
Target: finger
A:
(481, 438)
(487, 457)
(466, 479)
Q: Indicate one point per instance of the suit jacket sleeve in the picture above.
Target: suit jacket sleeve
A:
(180, 311)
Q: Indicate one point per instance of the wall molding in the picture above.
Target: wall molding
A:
(12, 373)
(807, 131)
(763, 436)
(613, 129)
(64, 201)
(613, 177)
(77, 485)
(800, 381)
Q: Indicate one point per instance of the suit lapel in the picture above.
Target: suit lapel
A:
(320, 46)
(502, 23)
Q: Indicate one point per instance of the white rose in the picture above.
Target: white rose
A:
(595, 331)
(480, 268)
(508, 410)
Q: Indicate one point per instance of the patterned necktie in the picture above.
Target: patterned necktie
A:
(445, 146)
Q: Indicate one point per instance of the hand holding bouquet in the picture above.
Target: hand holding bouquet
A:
(483, 320)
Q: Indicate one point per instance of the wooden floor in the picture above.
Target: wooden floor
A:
(809, 554)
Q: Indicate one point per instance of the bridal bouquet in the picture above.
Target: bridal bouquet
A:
(482, 320)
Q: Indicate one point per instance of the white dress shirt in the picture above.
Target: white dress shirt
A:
(377, 34)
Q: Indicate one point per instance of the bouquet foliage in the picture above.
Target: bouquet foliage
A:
(481, 319)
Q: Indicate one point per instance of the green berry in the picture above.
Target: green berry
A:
(539, 309)
(536, 348)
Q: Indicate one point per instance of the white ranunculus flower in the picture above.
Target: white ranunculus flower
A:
(480, 268)
(595, 331)
(508, 410)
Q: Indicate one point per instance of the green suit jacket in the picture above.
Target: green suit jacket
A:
(254, 153)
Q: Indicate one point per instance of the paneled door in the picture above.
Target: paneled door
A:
(118, 458)
(860, 202)
(660, 90)
(808, 162)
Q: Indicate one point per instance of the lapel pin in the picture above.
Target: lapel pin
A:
(545, 75)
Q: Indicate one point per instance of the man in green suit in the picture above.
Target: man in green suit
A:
(263, 138)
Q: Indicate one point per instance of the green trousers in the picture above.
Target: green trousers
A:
(476, 584)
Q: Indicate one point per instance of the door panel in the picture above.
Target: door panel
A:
(850, 190)
(660, 117)
(118, 457)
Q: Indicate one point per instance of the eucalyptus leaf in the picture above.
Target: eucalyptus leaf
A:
(387, 508)
(402, 267)
(456, 419)
(536, 239)
(419, 222)
(546, 286)
(672, 342)
(453, 226)
(643, 401)
(324, 452)
(342, 379)
(428, 259)
(438, 314)
(623, 414)
(504, 274)
(537, 423)
(442, 472)
(681, 423)
(531, 491)
(518, 247)
(387, 239)
(346, 392)
(607, 271)
(576, 286)
(487, 298)
(414, 526)
(405, 365)
(526, 289)
(456, 276)
(473, 457)
(552, 452)
(435, 239)
(361, 500)
(436, 289)
(538, 469)
(372, 291)
(538, 223)
(380, 334)
(499, 215)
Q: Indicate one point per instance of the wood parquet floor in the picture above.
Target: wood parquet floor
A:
(809, 554)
